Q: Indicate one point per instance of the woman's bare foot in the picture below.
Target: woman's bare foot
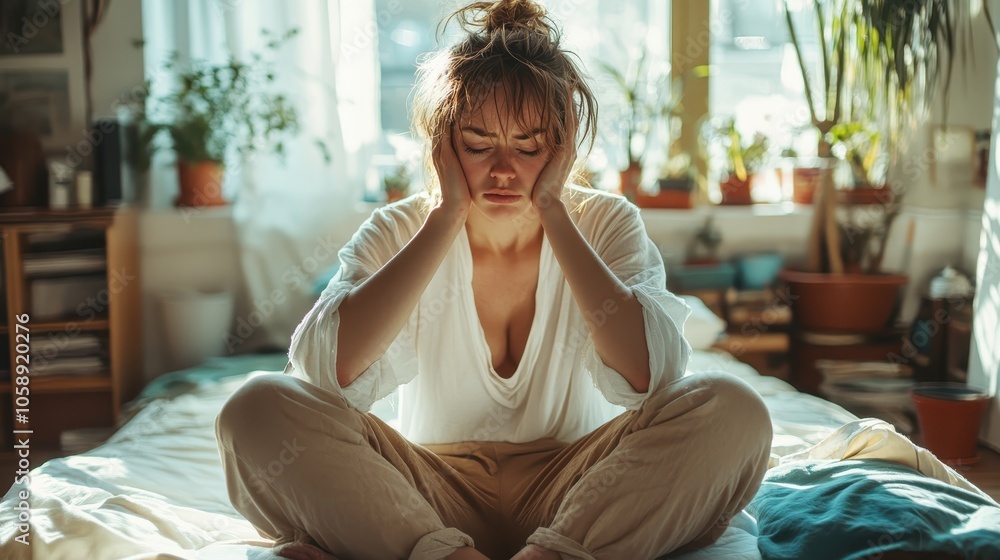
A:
(303, 551)
(535, 552)
(466, 553)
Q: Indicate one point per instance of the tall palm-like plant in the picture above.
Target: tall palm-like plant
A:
(882, 61)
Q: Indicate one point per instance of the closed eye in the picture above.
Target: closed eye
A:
(481, 151)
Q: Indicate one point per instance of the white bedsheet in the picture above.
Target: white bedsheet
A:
(156, 490)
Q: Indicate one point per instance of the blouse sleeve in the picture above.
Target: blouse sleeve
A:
(313, 350)
(622, 243)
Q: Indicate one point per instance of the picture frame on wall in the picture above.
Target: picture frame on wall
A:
(42, 73)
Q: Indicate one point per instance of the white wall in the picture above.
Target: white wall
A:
(970, 105)
(984, 359)
(117, 61)
(183, 251)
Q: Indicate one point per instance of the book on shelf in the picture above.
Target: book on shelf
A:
(876, 389)
(64, 240)
(49, 348)
(87, 261)
(81, 365)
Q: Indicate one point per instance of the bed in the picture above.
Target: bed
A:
(156, 488)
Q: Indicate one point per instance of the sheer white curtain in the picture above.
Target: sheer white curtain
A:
(290, 216)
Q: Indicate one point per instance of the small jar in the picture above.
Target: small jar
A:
(84, 189)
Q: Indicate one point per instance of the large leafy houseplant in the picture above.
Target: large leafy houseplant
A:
(881, 64)
(218, 112)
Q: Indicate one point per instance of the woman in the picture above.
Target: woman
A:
(515, 307)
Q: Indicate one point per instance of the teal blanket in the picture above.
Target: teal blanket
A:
(856, 509)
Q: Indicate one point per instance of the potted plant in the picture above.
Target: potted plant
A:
(647, 99)
(881, 63)
(675, 185)
(397, 183)
(741, 158)
(218, 111)
(858, 145)
(802, 174)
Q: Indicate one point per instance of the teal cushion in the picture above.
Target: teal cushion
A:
(867, 508)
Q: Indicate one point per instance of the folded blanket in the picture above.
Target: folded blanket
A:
(866, 492)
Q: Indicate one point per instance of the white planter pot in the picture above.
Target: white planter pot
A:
(195, 325)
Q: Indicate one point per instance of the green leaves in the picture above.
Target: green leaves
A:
(647, 97)
(218, 109)
(882, 60)
(742, 157)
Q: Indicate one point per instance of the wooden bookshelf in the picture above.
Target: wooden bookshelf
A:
(91, 398)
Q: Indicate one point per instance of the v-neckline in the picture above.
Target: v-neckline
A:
(484, 345)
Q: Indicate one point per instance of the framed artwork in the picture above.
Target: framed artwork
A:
(42, 76)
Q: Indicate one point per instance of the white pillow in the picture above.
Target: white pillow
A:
(702, 328)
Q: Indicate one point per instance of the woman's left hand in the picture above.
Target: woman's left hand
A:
(556, 173)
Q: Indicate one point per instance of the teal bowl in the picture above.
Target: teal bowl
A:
(758, 271)
(702, 276)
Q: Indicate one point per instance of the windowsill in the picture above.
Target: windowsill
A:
(762, 209)
(189, 214)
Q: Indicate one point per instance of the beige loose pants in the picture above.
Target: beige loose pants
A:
(304, 466)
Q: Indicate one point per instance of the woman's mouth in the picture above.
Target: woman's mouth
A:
(498, 198)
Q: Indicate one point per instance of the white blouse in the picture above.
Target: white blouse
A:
(449, 391)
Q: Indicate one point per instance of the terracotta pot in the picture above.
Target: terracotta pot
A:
(805, 182)
(735, 191)
(950, 416)
(664, 199)
(200, 184)
(852, 303)
(629, 181)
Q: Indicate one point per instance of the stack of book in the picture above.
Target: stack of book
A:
(84, 261)
(870, 389)
(80, 354)
(66, 274)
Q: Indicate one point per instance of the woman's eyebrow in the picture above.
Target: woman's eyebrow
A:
(534, 133)
(480, 132)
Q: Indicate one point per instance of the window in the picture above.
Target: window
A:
(756, 77)
(612, 31)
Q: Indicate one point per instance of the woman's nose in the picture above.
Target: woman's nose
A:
(502, 169)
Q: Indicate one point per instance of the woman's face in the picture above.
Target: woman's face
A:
(501, 161)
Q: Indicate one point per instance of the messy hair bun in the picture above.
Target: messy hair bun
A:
(512, 49)
(494, 17)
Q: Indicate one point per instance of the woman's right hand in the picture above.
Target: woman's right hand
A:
(455, 194)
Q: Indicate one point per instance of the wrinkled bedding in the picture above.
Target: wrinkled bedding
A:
(156, 488)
